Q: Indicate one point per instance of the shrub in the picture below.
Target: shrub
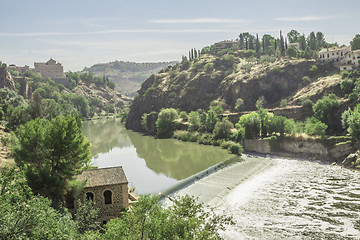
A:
(347, 85)
(352, 122)
(251, 123)
(166, 124)
(208, 67)
(353, 96)
(222, 129)
(238, 135)
(306, 102)
(315, 127)
(239, 105)
(283, 103)
(325, 108)
(226, 144)
(183, 115)
(205, 139)
(236, 148)
(185, 64)
(306, 79)
(194, 120)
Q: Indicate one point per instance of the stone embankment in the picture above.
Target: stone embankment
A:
(302, 148)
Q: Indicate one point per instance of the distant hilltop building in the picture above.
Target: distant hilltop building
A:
(50, 69)
(224, 44)
(343, 58)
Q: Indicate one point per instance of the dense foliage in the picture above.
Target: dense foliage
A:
(51, 152)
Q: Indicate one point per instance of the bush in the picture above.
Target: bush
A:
(222, 129)
(313, 69)
(306, 102)
(194, 120)
(166, 124)
(226, 144)
(353, 96)
(208, 67)
(183, 115)
(347, 85)
(205, 139)
(283, 103)
(251, 123)
(352, 122)
(315, 127)
(325, 108)
(236, 148)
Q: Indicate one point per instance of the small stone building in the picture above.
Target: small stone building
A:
(108, 189)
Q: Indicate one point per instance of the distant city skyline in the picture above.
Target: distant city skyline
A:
(83, 33)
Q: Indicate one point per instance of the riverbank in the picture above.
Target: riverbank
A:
(331, 149)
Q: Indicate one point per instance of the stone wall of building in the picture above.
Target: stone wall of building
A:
(50, 69)
(108, 211)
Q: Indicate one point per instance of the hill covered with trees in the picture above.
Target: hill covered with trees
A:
(127, 76)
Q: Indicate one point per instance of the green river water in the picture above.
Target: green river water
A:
(269, 197)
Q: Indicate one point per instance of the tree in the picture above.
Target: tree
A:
(355, 43)
(51, 153)
(222, 129)
(325, 108)
(251, 123)
(293, 36)
(315, 127)
(85, 216)
(184, 219)
(351, 121)
(194, 120)
(302, 42)
(25, 216)
(257, 44)
(312, 41)
(291, 52)
(208, 120)
(320, 40)
(166, 124)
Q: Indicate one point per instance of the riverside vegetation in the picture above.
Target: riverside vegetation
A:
(49, 150)
(192, 100)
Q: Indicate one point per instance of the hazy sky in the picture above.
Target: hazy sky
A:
(81, 33)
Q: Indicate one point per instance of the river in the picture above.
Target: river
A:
(269, 197)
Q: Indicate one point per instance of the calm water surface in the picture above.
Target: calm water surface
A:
(151, 165)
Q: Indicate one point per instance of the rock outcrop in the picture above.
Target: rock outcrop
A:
(105, 95)
(6, 81)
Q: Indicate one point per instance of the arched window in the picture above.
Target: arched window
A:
(108, 196)
(90, 196)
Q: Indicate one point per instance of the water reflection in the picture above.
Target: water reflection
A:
(104, 135)
(174, 158)
(151, 165)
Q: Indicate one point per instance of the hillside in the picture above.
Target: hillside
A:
(237, 79)
(127, 76)
(84, 93)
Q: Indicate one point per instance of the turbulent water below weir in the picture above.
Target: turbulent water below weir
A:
(277, 198)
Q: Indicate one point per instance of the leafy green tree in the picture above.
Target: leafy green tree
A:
(325, 108)
(251, 123)
(222, 129)
(311, 41)
(25, 216)
(351, 120)
(315, 127)
(320, 40)
(86, 215)
(208, 120)
(51, 153)
(194, 120)
(166, 124)
(293, 36)
(355, 43)
(184, 219)
(291, 52)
